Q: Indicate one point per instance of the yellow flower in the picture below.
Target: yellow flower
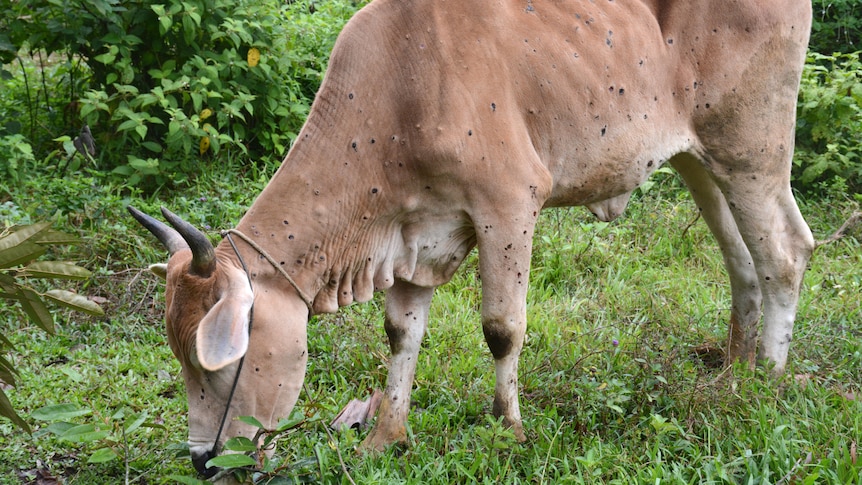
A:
(205, 144)
(253, 57)
(206, 113)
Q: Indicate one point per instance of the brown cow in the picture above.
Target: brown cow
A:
(445, 125)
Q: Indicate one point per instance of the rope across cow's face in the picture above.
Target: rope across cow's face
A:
(229, 371)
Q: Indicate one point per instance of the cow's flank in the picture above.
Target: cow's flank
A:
(447, 125)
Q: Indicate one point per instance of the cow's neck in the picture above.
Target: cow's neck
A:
(328, 219)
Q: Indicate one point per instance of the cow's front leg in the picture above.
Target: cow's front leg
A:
(504, 263)
(406, 320)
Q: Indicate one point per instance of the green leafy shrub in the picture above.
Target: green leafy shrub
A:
(19, 253)
(836, 26)
(829, 125)
(176, 82)
(16, 155)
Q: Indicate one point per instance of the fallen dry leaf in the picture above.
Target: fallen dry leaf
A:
(803, 379)
(357, 413)
(853, 452)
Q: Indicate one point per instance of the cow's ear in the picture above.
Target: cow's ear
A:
(222, 336)
(160, 270)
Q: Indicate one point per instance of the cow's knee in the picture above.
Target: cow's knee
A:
(502, 335)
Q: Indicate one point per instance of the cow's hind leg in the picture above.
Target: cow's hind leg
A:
(780, 244)
(406, 319)
(745, 289)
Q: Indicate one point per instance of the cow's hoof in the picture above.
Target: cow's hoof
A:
(378, 440)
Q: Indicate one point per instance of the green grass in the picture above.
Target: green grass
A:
(644, 411)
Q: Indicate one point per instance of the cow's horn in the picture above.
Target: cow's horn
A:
(203, 254)
(170, 238)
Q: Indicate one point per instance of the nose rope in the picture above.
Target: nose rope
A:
(214, 451)
(309, 302)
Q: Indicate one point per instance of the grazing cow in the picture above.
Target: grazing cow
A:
(446, 125)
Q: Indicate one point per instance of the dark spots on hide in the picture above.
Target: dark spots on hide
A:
(706, 106)
(353, 145)
(257, 369)
(469, 132)
(767, 278)
(670, 41)
(427, 187)
(350, 96)
(493, 107)
(290, 237)
(373, 141)
(285, 222)
(641, 63)
(611, 89)
(604, 130)
(281, 263)
(374, 190)
(650, 163)
(621, 91)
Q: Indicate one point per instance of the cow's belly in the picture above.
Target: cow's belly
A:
(602, 176)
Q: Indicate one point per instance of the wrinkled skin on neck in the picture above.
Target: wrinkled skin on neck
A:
(206, 321)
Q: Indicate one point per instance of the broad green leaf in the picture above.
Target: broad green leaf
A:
(4, 342)
(52, 236)
(252, 421)
(57, 270)
(36, 310)
(59, 412)
(84, 433)
(8, 283)
(56, 429)
(75, 302)
(7, 372)
(8, 411)
(136, 423)
(20, 253)
(240, 443)
(231, 461)
(102, 455)
(22, 234)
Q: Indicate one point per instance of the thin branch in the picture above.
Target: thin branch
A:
(852, 221)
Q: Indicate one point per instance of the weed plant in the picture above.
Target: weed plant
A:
(617, 384)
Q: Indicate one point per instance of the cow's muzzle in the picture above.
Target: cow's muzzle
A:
(200, 463)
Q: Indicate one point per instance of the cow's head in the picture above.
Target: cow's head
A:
(209, 302)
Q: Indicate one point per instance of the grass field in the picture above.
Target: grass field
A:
(612, 388)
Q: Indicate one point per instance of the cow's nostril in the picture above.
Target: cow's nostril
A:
(200, 464)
